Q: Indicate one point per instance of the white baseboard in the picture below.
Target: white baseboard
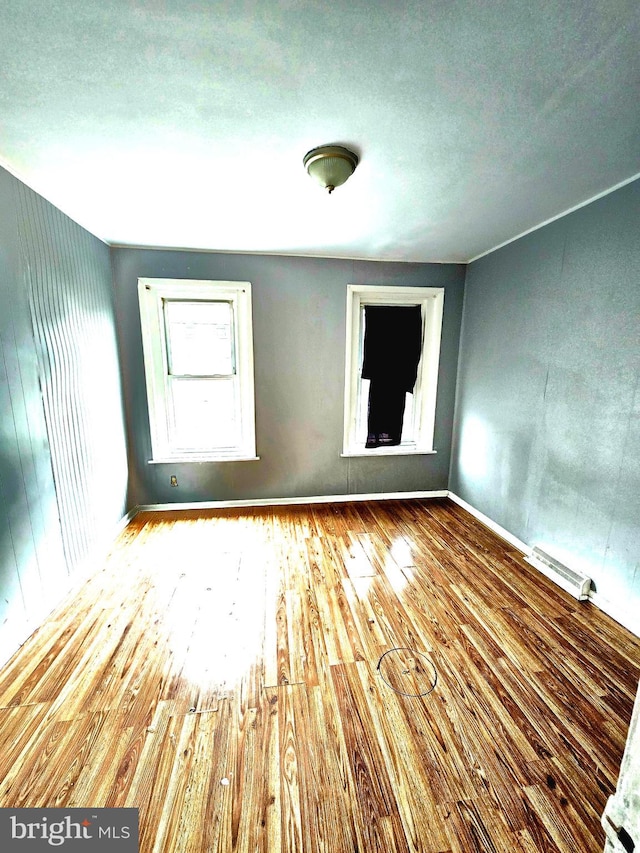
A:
(502, 532)
(120, 526)
(315, 499)
(624, 617)
(628, 620)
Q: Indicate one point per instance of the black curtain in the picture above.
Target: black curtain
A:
(392, 347)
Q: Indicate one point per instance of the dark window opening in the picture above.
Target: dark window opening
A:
(391, 354)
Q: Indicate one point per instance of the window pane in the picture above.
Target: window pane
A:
(204, 413)
(199, 338)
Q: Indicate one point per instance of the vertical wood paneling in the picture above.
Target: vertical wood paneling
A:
(69, 287)
(62, 459)
(31, 558)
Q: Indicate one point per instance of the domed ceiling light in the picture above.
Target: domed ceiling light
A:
(330, 165)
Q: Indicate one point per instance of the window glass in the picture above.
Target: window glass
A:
(199, 338)
(204, 412)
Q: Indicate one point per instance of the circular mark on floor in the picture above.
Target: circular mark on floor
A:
(408, 672)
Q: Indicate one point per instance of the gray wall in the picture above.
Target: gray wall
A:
(62, 452)
(547, 431)
(299, 312)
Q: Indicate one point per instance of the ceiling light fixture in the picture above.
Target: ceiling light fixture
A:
(330, 165)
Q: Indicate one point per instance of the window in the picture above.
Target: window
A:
(416, 422)
(198, 359)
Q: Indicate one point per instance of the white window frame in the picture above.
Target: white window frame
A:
(431, 301)
(151, 293)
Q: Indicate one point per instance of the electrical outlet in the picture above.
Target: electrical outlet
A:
(174, 480)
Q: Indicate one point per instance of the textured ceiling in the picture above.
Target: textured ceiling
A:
(183, 123)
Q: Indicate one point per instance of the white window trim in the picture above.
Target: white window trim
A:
(431, 300)
(151, 292)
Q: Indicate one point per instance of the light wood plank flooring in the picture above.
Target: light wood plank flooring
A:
(220, 673)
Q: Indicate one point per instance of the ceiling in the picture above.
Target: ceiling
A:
(183, 123)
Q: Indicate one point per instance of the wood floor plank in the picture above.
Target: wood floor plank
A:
(100, 769)
(373, 790)
(62, 752)
(472, 825)
(255, 778)
(219, 672)
(336, 821)
(169, 827)
(563, 825)
(290, 770)
(404, 756)
(21, 727)
(489, 660)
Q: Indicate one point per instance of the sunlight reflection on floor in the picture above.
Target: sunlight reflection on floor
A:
(214, 619)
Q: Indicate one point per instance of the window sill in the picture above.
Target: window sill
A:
(387, 451)
(171, 460)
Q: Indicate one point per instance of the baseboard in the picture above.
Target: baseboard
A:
(120, 526)
(502, 532)
(624, 617)
(315, 499)
(628, 620)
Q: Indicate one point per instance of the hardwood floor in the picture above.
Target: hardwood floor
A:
(220, 673)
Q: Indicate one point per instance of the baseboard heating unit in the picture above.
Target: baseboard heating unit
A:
(573, 582)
